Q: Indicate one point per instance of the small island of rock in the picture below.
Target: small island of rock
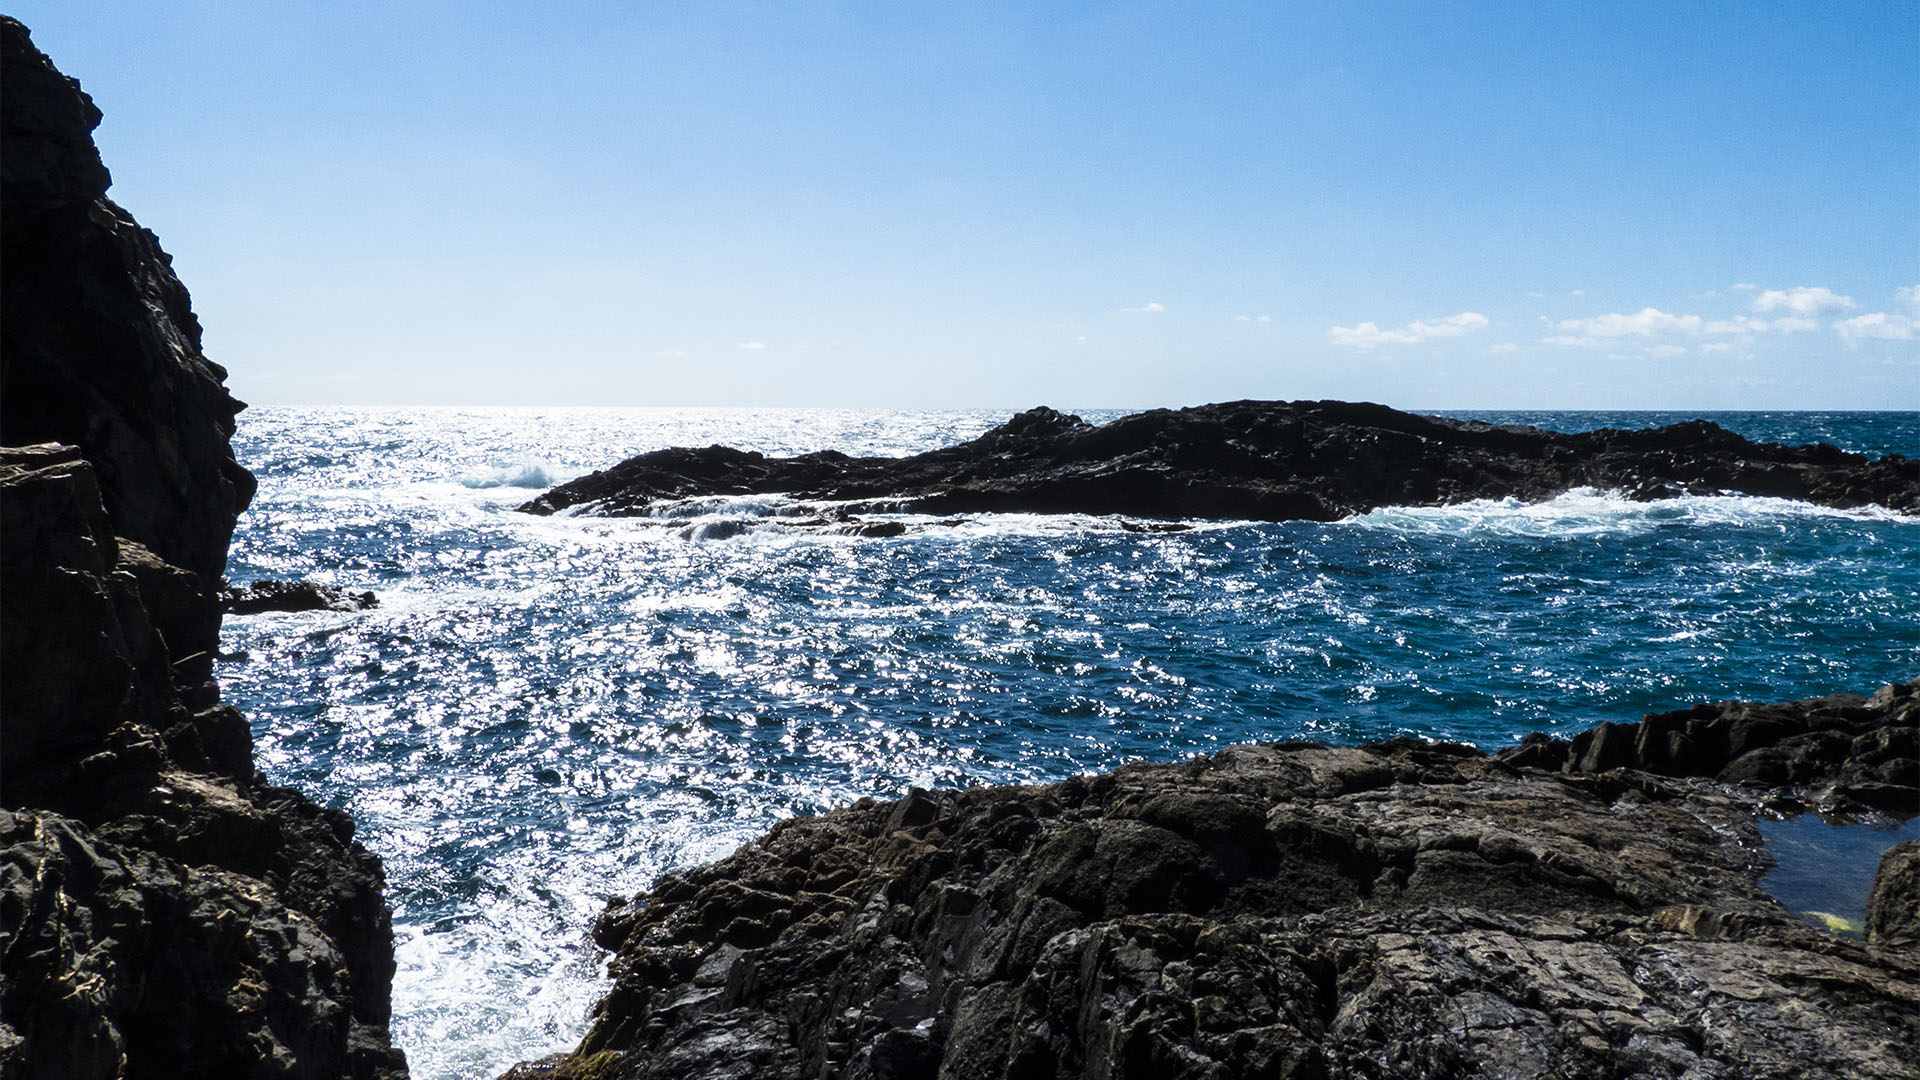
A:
(1253, 460)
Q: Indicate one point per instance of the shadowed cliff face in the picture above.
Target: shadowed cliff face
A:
(163, 911)
(99, 347)
(1256, 460)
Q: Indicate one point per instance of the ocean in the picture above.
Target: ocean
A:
(543, 713)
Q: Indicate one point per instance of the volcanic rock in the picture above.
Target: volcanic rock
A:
(1393, 910)
(163, 911)
(1255, 460)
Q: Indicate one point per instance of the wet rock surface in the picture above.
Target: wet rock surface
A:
(1394, 910)
(258, 596)
(1256, 460)
(163, 911)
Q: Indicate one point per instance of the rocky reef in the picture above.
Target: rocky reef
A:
(164, 912)
(257, 596)
(1255, 460)
(1401, 909)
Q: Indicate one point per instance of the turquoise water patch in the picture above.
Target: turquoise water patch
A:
(1823, 872)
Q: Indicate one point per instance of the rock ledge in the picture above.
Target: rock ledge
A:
(1399, 909)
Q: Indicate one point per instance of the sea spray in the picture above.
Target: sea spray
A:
(546, 712)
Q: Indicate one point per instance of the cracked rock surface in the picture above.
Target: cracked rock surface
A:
(1394, 910)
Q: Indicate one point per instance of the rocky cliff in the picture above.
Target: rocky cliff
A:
(1400, 909)
(164, 912)
(1257, 460)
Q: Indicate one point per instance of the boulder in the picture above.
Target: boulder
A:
(1893, 912)
(258, 596)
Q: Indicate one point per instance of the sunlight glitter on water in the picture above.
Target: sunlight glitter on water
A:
(547, 712)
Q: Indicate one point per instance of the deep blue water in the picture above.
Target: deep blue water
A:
(545, 712)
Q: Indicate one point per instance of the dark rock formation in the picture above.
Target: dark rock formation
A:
(1839, 753)
(1258, 460)
(1395, 910)
(99, 347)
(163, 912)
(258, 596)
(1893, 911)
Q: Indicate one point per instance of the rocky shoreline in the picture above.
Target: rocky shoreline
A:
(1249, 460)
(1588, 908)
(164, 911)
(1583, 909)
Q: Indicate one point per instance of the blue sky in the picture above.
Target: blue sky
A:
(1433, 205)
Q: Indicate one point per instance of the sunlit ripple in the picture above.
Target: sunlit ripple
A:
(545, 712)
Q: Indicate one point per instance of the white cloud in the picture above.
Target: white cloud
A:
(1151, 307)
(1367, 335)
(1664, 351)
(753, 345)
(1253, 318)
(1747, 324)
(1572, 341)
(1744, 286)
(1719, 347)
(1803, 300)
(1578, 292)
(1647, 322)
(1878, 326)
(1908, 296)
(1502, 348)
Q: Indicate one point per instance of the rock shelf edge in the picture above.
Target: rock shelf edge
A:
(1402, 909)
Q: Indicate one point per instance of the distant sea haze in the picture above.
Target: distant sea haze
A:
(545, 712)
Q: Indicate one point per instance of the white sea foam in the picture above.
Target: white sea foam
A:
(522, 475)
(724, 528)
(764, 506)
(1585, 511)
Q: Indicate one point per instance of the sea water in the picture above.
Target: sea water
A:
(544, 713)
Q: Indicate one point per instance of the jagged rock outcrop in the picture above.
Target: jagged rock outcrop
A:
(258, 596)
(1257, 460)
(1395, 910)
(163, 911)
(1837, 752)
(99, 347)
